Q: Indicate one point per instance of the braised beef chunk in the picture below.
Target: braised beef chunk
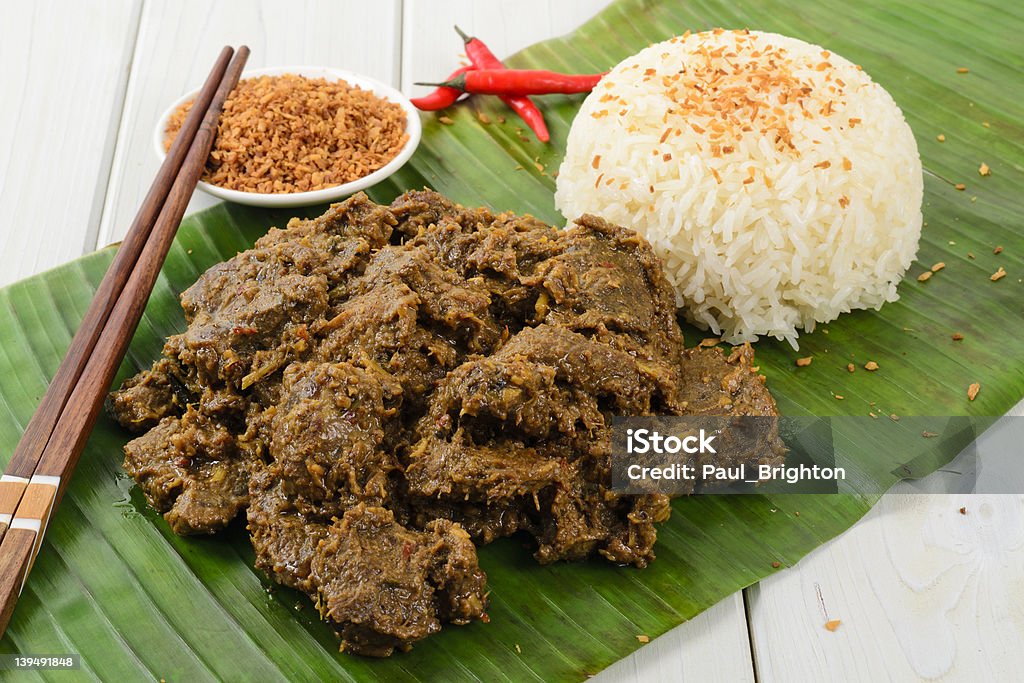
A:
(327, 433)
(385, 586)
(145, 399)
(716, 384)
(418, 211)
(581, 516)
(256, 331)
(414, 319)
(719, 384)
(384, 386)
(191, 470)
(528, 429)
(284, 538)
(608, 277)
(249, 316)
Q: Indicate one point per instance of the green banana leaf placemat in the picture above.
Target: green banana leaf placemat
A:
(115, 585)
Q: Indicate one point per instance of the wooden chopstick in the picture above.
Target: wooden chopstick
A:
(29, 449)
(60, 454)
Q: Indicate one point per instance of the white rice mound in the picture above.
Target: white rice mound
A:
(780, 185)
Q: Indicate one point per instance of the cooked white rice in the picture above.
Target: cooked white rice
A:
(779, 184)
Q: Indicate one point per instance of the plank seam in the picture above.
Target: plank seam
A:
(750, 633)
(92, 233)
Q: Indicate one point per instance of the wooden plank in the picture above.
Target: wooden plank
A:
(432, 49)
(178, 41)
(714, 646)
(921, 590)
(65, 66)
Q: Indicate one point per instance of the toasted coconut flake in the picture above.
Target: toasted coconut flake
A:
(289, 133)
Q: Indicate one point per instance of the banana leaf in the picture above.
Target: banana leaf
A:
(115, 585)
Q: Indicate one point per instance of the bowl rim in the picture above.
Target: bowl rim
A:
(413, 129)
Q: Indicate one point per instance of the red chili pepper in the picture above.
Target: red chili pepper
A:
(483, 58)
(520, 82)
(442, 97)
(530, 114)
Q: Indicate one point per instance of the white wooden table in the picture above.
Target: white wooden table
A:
(922, 591)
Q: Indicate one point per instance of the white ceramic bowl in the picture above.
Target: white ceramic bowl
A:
(330, 194)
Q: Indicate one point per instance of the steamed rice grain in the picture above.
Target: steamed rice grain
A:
(780, 185)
